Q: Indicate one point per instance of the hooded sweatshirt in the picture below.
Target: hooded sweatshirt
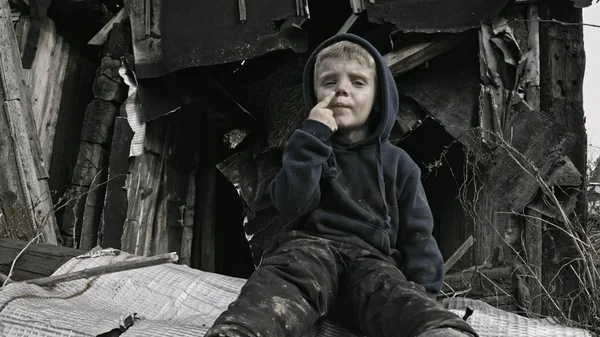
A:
(367, 193)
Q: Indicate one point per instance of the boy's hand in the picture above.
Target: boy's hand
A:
(322, 114)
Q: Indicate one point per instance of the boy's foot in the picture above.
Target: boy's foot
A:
(446, 332)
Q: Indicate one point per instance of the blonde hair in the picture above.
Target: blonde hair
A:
(346, 50)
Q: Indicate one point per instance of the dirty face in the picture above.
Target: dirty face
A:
(354, 85)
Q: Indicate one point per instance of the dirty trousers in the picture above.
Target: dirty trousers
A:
(302, 278)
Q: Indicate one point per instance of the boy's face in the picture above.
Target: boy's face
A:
(354, 86)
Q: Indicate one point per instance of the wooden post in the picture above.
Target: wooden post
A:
(533, 251)
(562, 66)
(532, 91)
(208, 190)
(45, 80)
(187, 221)
(208, 219)
(203, 247)
(24, 193)
(115, 203)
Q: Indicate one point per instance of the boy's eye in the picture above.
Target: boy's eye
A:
(358, 83)
(330, 82)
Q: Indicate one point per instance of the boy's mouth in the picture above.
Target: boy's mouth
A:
(339, 105)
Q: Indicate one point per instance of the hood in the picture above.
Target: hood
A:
(387, 92)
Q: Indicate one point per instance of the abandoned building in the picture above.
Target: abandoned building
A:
(155, 126)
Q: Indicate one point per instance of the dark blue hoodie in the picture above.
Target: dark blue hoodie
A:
(369, 193)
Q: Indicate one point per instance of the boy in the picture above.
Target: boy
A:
(351, 198)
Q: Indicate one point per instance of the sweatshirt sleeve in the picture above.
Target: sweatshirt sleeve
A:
(423, 262)
(295, 190)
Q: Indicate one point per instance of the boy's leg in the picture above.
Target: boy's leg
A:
(292, 288)
(382, 303)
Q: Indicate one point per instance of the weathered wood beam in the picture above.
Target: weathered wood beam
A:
(102, 35)
(45, 80)
(187, 222)
(115, 202)
(83, 223)
(38, 260)
(460, 252)
(532, 90)
(24, 193)
(408, 57)
(349, 23)
(533, 257)
(562, 68)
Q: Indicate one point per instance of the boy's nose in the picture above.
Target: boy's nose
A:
(341, 90)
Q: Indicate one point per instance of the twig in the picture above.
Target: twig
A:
(12, 267)
(107, 269)
(562, 23)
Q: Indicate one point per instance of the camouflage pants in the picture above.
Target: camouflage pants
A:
(303, 278)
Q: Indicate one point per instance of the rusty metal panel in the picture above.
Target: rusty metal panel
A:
(433, 16)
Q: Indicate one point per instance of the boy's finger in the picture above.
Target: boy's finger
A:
(325, 101)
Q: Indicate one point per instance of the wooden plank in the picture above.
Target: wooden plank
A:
(75, 97)
(22, 30)
(462, 250)
(38, 260)
(532, 89)
(206, 208)
(92, 212)
(349, 23)
(143, 187)
(208, 190)
(142, 182)
(115, 203)
(188, 223)
(533, 256)
(45, 79)
(408, 57)
(90, 170)
(18, 128)
(562, 69)
(160, 234)
(101, 36)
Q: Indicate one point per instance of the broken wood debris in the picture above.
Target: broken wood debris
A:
(24, 193)
(460, 252)
(349, 23)
(101, 36)
(416, 53)
(141, 262)
(45, 80)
